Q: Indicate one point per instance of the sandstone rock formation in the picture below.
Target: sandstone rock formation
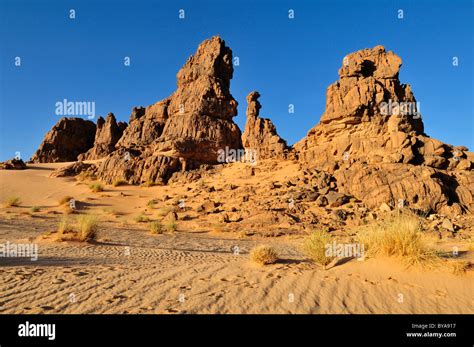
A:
(65, 141)
(73, 169)
(108, 132)
(260, 134)
(13, 164)
(371, 139)
(184, 130)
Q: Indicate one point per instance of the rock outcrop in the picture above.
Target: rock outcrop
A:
(108, 133)
(13, 164)
(73, 169)
(185, 130)
(65, 141)
(371, 138)
(260, 134)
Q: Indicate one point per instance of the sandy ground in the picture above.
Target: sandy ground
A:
(128, 270)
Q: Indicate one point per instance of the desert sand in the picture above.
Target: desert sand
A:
(196, 269)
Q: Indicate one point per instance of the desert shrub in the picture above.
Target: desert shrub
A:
(64, 226)
(171, 225)
(119, 182)
(34, 209)
(459, 267)
(141, 218)
(398, 235)
(87, 226)
(314, 247)
(264, 255)
(156, 227)
(84, 229)
(12, 201)
(96, 187)
(151, 203)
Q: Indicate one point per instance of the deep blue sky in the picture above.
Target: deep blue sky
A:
(287, 61)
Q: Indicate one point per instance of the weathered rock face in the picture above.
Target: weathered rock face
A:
(13, 164)
(371, 138)
(65, 141)
(107, 134)
(184, 130)
(260, 134)
(72, 169)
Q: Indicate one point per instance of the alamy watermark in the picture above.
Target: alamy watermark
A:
(75, 108)
(19, 250)
(344, 250)
(402, 108)
(230, 155)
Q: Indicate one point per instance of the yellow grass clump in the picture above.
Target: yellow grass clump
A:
(314, 247)
(400, 236)
(171, 225)
(96, 187)
(264, 255)
(119, 182)
(141, 218)
(156, 227)
(12, 201)
(84, 229)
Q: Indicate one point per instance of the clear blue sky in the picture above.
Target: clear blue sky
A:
(287, 61)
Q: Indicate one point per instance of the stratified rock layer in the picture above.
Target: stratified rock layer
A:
(260, 134)
(65, 141)
(371, 139)
(184, 130)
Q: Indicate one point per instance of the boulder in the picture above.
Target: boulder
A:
(72, 169)
(13, 164)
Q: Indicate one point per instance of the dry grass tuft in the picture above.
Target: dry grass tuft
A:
(314, 247)
(400, 236)
(171, 225)
(151, 203)
(84, 229)
(119, 182)
(156, 227)
(264, 255)
(141, 218)
(12, 201)
(459, 267)
(96, 187)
